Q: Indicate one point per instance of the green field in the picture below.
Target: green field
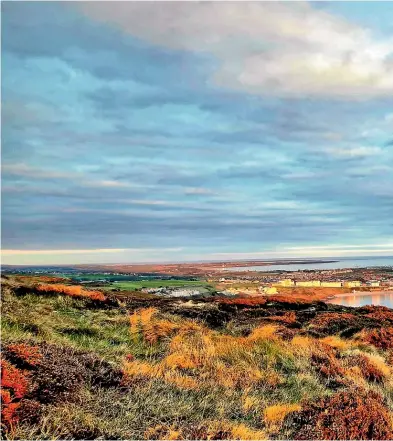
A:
(138, 284)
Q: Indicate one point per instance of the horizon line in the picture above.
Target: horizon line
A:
(323, 259)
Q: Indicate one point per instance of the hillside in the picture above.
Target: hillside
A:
(88, 364)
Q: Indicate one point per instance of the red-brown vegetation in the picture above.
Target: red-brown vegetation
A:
(23, 353)
(255, 301)
(244, 301)
(370, 371)
(52, 374)
(333, 322)
(14, 386)
(310, 294)
(380, 338)
(288, 318)
(381, 313)
(72, 291)
(327, 365)
(351, 415)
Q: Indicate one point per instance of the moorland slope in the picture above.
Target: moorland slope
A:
(82, 364)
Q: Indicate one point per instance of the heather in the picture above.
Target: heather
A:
(80, 364)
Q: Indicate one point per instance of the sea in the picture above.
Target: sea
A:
(383, 298)
(357, 299)
(339, 263)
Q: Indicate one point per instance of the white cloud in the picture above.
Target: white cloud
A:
(345, 247)
(198, 191)
(264, 47)
(354, 152)
(312, 252)
(51, 252)
(111, 184)
(27, 171)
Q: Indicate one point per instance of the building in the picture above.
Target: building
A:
(309, 283)
(374, 283)
(352, 284)
(285, 282)
(331, 284)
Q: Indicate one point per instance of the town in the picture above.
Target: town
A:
(349, 279)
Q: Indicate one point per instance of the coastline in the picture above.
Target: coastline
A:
(358, 294)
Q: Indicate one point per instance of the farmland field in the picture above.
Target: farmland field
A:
(137, 284)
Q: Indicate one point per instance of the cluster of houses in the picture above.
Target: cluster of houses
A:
(318, 283)
(255, 290)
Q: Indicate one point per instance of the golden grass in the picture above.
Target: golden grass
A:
(198, 358)
(213, 359)
(336, 342)
(249, 403)
(275, 415)
(242, 432)
(379, 363)
(163, 432)
(212, 430)
(142, 322)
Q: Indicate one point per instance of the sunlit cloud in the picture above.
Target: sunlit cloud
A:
(265, 47)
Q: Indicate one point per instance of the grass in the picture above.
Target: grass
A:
(183, 380)
(67, 322)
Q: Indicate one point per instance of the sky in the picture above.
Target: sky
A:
(171, 131)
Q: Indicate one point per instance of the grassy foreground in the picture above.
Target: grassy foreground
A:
(79, 364)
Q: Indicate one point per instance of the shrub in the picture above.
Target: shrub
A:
(14, 386)
(371, 367)
(23, 355)
(244, 301)
(381, 338)
(288, 318)
(326, 364)
(333, 322)
(63, 371)
(349, 415)
(380, 313)
(72, 291)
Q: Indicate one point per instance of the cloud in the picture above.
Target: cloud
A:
(27, 171)
(51, 252)
(311, 251)
(198, 191)
(287, 49)
(91, 251)
(22, 170)
(354, 152)
(119, 139)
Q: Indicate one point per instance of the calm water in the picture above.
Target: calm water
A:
(358, 262)
(381, 299)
